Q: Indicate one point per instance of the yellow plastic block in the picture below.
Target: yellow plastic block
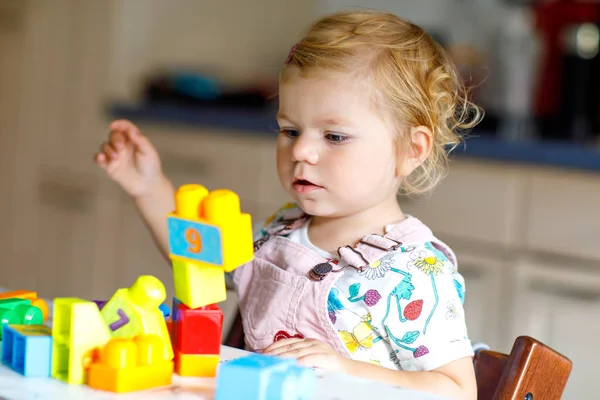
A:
(204, 365)
(197, 286)
(134, 311)
(77, 329)
(29, 295)
(127, 365)
(221, 209)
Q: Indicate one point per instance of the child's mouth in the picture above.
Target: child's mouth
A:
(305, 186)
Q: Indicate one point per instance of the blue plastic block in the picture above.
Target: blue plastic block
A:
(183, 232)
(166, 311)
(260, 377)
(27, 349)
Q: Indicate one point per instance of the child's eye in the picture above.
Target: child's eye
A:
(336, 137)
(290, 132)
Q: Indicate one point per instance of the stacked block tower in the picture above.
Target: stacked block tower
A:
(208, 237)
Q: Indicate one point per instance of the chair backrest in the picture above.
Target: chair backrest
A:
(531, 371)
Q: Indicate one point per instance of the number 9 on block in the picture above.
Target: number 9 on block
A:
(197, 241)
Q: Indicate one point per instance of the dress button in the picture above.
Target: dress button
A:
(320, 271)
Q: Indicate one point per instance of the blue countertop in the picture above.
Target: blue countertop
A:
(262, 122)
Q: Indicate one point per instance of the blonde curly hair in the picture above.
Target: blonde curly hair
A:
(411, 73)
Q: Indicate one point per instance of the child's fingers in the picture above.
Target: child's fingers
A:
(101, 160)
(285, 345)
(143, 145)
(132, 133)
(108, 151)
(122, 125)
(117, 139)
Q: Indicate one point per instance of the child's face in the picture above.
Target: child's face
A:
(336, 155)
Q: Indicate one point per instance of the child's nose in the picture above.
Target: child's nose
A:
(305, 150)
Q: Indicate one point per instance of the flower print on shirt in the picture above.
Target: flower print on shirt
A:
(451, 310)
(371, 296)
(378, 268)
(432, 266)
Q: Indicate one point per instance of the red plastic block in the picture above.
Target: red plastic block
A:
(197, 331)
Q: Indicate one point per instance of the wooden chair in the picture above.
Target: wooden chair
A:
(531, 371)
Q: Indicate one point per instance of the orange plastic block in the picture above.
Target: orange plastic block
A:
(204, 365)
(77, 329)
(127, 365)
(217, 214)
(29, 295)
(134, 311)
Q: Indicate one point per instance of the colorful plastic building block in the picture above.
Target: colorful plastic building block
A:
(19, 311)
(27, 294)
(208, 235)
(204, 365)
(135, 310)
(27, 349)
(197, 331)
(196, 337)
(260, 377)
(198, 286)
(78, 328)
(130, 364)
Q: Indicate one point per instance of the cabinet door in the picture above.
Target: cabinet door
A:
(477, 202)
(564, 221)
(559, 305)
(46, 97)
(12, 36)
(484, 310)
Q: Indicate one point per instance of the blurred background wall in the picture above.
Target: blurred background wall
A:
(520, 206)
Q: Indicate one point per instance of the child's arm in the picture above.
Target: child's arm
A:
(455, 379)
(131, 160)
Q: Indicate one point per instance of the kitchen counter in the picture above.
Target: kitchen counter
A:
(262, 122)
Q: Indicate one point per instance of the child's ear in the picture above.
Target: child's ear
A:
(415, 150)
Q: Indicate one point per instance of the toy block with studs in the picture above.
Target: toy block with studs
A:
(261, 377)
(197, 339)
(198, 330)
(135, 310)
(15, 311)
(77, 329)
(27, 294)
(208, 236)
(130, 364)
(27, 349)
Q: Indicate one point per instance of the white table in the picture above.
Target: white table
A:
(331, 386)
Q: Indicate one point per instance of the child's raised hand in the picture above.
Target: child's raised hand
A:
(129, 159)
(309, 353)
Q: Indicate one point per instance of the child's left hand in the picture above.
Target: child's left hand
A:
(309, 352)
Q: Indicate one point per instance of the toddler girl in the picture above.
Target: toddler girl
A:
(342, 279)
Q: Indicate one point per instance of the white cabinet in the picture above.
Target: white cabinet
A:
(485, 300)
(558, 303)
(564, 217)
(477, 201)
